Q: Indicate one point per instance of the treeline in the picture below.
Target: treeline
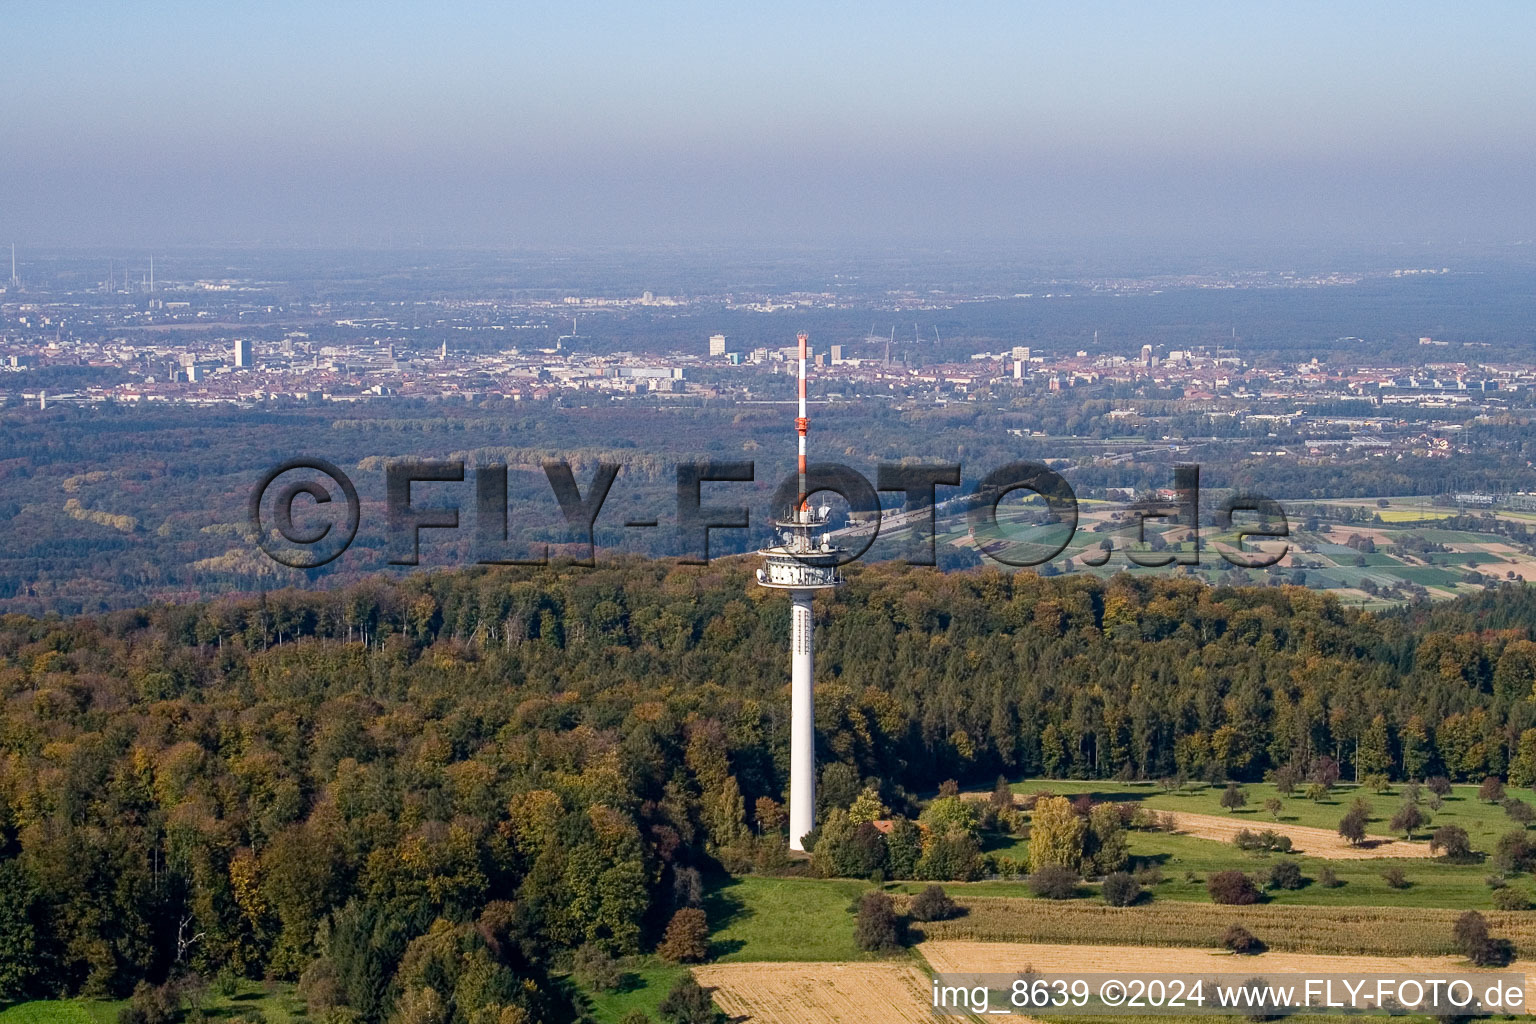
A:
(468, 779)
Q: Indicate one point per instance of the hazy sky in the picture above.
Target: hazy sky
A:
(533, 123)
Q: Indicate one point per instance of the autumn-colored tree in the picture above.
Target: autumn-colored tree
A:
(1056, 834)
(687, 937)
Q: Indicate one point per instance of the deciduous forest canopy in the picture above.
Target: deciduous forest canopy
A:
(455, 780)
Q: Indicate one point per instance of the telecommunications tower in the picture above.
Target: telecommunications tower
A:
(802, 562)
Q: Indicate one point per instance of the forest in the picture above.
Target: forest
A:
(465, 782)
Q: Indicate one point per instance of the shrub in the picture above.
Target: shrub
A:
(597, 970)
(150, 1004)
(1396, 877)
(1120, 889)
(1286, 874)
(1520, 812)
(1327, 879)
(1241, 941)
(1470, 933)
(1492, 790)
(877, 928)
(1514, 852)
(1511, 897)
(1267, 841)
(955, 857)
(1495, 881)
(687, 937)
(1232, 888)
(1451, 842)
(1054, 883)
(933, 904)
(635, 1017)
(688, 1003)
(1148, 875)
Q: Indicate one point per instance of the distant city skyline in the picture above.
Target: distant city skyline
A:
(171, 123)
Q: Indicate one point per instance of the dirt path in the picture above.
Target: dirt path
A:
(821, 993)
(1308, 841)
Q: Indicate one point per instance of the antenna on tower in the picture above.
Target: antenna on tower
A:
(802, 426)
(15, 281)
(151, 274)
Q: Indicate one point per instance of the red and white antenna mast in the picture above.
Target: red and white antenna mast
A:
(802, 425)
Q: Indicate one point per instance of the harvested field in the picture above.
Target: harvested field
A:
(1010, 958)
(820, 993)
(1363, 931)
(1308, 841)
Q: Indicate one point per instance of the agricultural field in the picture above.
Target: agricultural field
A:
(1354, 931)
(754, 921)
(957, 957)
(824, 993)
(953, 956)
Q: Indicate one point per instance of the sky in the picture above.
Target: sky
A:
(585, 123)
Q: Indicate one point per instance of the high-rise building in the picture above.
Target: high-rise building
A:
(1146, 355)
(803, 562)
(836, 352)
(717, 344)
(243, 355)
(1021, 353)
